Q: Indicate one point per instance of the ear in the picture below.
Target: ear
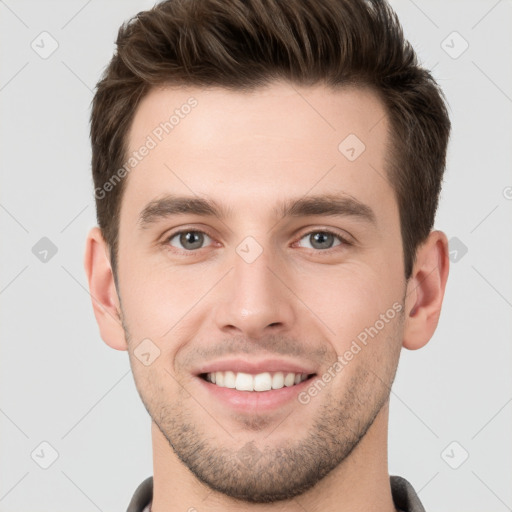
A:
(105, 300)
(425, 290)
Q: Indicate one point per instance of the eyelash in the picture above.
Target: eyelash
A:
(343, 241)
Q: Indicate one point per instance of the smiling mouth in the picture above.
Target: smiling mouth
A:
(265, 381)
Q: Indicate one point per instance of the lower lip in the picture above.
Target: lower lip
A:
(255, 401)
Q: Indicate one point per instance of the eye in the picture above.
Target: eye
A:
(188, 239)
(191, 240)
(323, 240)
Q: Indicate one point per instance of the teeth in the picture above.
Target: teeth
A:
(278, 380)
(244, 382)
(289, 379)
(229, 380)
(260, 382)
(263, 382)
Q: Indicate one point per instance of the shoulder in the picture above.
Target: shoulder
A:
(142, 496)
(404, 495)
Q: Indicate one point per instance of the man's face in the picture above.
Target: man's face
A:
(258, 290)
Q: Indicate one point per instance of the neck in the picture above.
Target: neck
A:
(360, 483)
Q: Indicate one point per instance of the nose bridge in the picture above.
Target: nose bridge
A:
(254, 299)
(253, 281)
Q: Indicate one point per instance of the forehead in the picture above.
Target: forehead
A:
(278, 109)
(248, 148)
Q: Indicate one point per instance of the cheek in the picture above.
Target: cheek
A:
(154, 382)
(155, 296)
(348, 299)
(361, 306)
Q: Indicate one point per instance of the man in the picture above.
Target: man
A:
(267, 175)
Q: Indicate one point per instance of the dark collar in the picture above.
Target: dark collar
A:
(404, 495)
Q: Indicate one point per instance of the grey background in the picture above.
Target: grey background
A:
(60, 384)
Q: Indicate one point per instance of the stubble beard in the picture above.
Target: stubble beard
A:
(259, 472)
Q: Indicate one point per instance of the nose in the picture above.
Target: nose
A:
(255, 299)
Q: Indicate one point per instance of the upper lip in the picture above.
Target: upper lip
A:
(255, 367)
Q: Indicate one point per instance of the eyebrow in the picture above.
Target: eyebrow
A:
(326, 204)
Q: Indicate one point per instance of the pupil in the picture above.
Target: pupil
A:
(187, 240)
(321, 238)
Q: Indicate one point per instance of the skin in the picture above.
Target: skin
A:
(297, 301)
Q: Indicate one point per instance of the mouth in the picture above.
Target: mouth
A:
(254, 386)
(259, 382)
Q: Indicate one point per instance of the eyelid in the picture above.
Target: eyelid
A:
(170, 235)
(346, 240)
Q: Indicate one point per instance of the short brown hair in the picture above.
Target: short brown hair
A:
(245, 44)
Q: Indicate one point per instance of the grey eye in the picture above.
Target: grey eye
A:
(189, 240)
(321, 240)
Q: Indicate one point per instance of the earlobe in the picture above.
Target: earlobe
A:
(105, 301)
(425, 291)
